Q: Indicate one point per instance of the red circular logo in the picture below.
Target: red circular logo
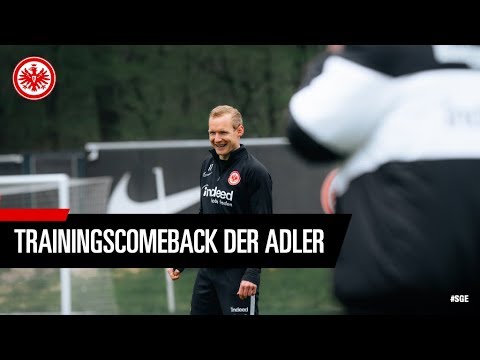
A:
(234, 178)
(34, 78)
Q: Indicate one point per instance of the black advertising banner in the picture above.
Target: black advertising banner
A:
(50, 238)
(163, 176)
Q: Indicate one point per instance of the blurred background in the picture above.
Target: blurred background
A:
(127, 124)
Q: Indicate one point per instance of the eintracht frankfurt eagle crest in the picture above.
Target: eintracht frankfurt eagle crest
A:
(34, 78)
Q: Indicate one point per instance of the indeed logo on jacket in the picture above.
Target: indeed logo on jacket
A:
(239, 185)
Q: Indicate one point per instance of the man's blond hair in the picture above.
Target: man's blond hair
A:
(227, 109)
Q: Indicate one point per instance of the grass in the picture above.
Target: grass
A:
(142, 291)
(297, 291)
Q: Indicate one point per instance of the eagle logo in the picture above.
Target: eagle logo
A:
(234, 178)
(34, 78)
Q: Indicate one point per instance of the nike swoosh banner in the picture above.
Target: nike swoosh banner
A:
(171, 240)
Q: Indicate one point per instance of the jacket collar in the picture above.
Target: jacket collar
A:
(234, 155)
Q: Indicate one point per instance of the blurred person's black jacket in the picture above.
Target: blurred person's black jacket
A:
(404, 122)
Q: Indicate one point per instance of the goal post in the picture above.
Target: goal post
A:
(29, 184)
(82, 291)
(80, 195)
(61, 182)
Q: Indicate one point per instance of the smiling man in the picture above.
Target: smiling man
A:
(232, 182)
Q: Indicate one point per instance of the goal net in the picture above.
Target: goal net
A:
(66, 291)
(80, 195)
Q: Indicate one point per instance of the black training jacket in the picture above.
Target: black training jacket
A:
(405, 120)
(239, 185)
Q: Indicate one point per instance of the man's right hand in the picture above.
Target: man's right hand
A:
(174, 273)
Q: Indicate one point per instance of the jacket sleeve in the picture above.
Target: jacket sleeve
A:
(252, 275)
(260, 190)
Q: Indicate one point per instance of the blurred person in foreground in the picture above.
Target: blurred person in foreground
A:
(233, 182)
(404, 124)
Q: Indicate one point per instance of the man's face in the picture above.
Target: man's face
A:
(223, 137)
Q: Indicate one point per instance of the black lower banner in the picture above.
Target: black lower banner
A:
(176, 240)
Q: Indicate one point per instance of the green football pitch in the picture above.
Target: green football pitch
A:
(143, 291)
